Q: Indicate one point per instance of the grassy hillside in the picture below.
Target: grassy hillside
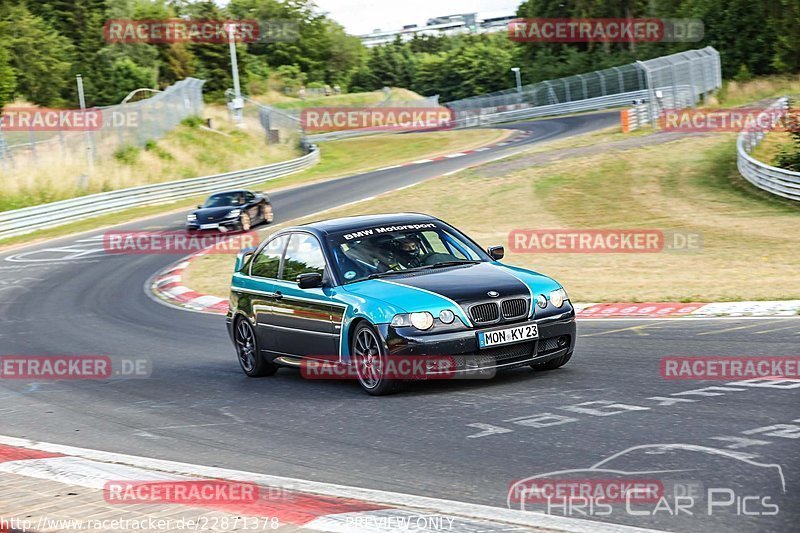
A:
(188, 151)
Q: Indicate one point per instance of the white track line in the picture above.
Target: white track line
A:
(446, 507)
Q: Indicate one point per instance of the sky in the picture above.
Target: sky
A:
(363, 16)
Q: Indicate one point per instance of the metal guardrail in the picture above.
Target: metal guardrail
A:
(29, 219)
(778, 181)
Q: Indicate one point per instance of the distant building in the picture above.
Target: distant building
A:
(446, 25)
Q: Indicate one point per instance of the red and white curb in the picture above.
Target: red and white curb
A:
(311, 505)
(462, 153)
(778, 308)
(168, 286)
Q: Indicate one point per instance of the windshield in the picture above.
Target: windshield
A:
(225, 200)
(386, 250)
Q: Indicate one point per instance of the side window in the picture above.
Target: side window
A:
(303, 255)
(268, 262)
(249, 197)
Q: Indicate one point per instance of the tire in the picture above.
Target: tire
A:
(250, 359)
(269, 215)
(245, 222)
(552, 364)
(370, 354)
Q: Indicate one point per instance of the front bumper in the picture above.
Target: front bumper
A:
(557, 336)
(227, 224)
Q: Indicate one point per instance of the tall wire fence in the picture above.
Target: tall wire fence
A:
(670, 82)
(128, 124)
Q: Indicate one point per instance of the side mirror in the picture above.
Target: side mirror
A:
(309, 280)
(199, 207)
(242, 258)
(496, 252)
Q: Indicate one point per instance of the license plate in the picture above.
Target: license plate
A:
(508, 335)
(209, 226)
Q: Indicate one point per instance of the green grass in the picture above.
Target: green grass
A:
(733, 94)
(354, 99)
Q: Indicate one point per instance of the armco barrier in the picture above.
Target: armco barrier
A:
(29, 219)
(778, 181)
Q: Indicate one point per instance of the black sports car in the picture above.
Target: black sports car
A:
(231, 211)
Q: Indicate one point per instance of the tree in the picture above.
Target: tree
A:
(213, 60)
(8, 78)
(37, 53)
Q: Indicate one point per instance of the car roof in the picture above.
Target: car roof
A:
(234, 191)
(355, 223)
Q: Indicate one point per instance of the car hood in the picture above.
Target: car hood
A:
(456, 288)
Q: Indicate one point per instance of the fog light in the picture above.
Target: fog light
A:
(563, 340)
(447, 316)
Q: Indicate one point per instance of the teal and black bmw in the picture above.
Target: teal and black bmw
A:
(363, 292)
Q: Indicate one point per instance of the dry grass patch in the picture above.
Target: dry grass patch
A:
(689, 185)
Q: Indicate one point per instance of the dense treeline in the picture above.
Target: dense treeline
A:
(754, 37)
(45, 43)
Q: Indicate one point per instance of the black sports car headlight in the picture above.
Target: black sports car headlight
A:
(233, 213)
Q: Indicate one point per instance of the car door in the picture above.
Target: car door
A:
(307, 321)
(264, 273)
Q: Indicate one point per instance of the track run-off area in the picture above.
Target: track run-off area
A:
(608, 410)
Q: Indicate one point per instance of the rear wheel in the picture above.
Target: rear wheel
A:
(250, 359)
(371, 362)
(269, 216)
(553, 363)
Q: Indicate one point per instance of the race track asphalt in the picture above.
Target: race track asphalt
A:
(461, 440)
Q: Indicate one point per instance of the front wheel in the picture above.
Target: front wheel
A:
(246, 223)
(250, 359)
(371, 362)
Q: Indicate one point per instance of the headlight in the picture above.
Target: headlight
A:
(558, 297)
(423, 320)
(541, 301)
(191, 218)
(233, 213)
